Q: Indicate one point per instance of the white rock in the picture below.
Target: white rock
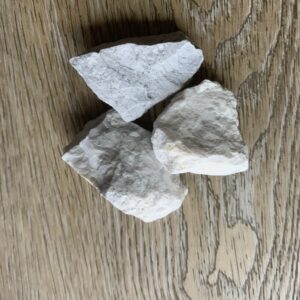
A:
(134, 75)
(198, 133)
(117, 158)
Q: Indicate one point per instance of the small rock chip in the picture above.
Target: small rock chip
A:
(198, 133)
(117, 158)
(134, 75)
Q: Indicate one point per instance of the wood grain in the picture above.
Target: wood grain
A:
(236, 237)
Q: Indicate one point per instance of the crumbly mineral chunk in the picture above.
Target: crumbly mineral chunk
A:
(132, 76)
(117, 158)
(198, 133)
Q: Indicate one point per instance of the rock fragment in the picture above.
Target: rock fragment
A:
(134, 75)
(117, 158)
(198, 133)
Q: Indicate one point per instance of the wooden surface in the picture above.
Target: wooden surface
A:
(235, 238)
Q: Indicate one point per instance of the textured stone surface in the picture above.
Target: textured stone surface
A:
(198, 133)
(117, 158)
(132, 76)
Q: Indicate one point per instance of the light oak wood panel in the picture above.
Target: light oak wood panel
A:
(236, 237)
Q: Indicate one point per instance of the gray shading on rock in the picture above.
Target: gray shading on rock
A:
(117, 158)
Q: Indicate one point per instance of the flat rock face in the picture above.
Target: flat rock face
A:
(132, 76)
(198, 133)
(117, 158)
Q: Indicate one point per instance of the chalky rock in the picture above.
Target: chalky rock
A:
(117, 158)
(133, 75)
(198, 133)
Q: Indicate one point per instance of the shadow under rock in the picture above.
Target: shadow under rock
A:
(108, 32)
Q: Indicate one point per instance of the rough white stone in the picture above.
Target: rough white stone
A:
(198, 133)
(117, 158)
(132, 76)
